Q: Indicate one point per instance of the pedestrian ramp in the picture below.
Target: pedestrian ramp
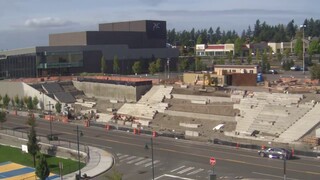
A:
(14, 171)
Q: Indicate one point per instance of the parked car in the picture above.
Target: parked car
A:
(278, 153)
(295, 68)
(272, 71)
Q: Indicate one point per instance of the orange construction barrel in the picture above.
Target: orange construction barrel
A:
(154, 134)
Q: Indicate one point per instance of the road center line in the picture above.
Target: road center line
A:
(270, 175)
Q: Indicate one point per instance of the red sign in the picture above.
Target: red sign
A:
(212, 161)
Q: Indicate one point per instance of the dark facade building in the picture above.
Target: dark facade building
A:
(77, 52)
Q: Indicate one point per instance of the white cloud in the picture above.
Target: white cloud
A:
(47, 22)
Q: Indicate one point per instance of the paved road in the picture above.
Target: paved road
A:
(177, 159)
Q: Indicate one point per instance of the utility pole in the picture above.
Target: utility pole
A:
(79, 174)
(303, 48)
(152, 158)
(50, 119)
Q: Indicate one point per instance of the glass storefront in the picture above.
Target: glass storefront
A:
(56, 60)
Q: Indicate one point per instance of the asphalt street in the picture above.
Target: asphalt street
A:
(175, 158)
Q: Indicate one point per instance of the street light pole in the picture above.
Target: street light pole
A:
(50, 119)
(152, 159)
(303, 48)
(284, 167)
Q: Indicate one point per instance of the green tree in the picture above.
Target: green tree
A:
(103, 65)
(279, 57)
(315, 71)
(287, 53)
(58, 107)
(25, 99)
(313, 49)
(298, 48)
(30, 103)
(3, 117)
(35, 102)
(22, 103)
(238, 47)
(0, 100)
(152, 68)
(17, 100)
(31, 121)
(13, 103)
(42, 169)
(198, 64)
(6, 100)
(258, 55)
(116, 67)
(33, 146)
(136, 68)
(158, 65)
(116, 175)
(249, 57)
(265, 62)
(230, 55)
(183, 63)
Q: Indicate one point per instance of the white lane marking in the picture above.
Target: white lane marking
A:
(150, 163)
(195, 172)
(280, 177)
(119, 154)
(128, 158)
(135, 160)
(144, 161)
(172, 176)
(177, 169)
(185, 170)
(123, 156)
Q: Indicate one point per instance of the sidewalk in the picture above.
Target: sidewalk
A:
(99, 162)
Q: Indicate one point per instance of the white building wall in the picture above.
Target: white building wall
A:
(22, 89)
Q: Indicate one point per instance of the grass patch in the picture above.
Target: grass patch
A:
(17, 156)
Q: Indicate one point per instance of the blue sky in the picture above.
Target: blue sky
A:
(27, 23)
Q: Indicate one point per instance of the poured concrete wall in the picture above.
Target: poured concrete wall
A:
(112, 91)
(21, 90)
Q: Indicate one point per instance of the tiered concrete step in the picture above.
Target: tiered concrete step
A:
(149, 104)
(302, 126)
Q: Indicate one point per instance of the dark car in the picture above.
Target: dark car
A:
(278, 153)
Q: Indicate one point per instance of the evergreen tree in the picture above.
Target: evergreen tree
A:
(315, 71)
(6, 101)
(35, 102)
(116, 67)
(58, 107)
(249, 57)
(42, 169)
(30, 103)
(33, 146)
(3, 117)
(103, 65)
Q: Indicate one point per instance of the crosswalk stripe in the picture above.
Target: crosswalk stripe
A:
(195, 172)
(177, 169)
(135, 160)
(128, 158)
(185, 170)
(123, 156)
(150, 163)
(144, 161)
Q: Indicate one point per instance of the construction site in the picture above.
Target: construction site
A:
(281, 111)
